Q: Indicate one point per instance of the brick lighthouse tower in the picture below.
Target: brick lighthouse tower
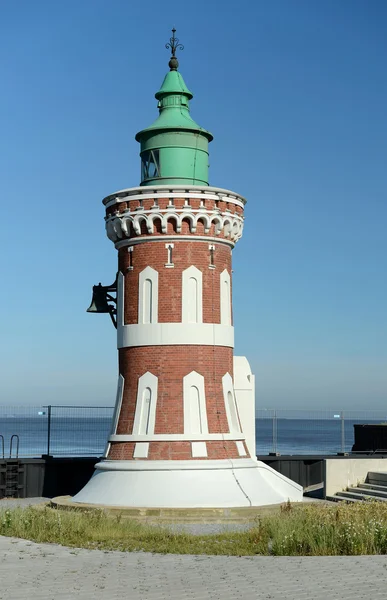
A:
(183, 433)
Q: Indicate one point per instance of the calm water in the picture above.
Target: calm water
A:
(86, 435)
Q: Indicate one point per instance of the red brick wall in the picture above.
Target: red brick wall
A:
(170, 364)
(184, 254)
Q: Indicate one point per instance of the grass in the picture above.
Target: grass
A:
(314, 530)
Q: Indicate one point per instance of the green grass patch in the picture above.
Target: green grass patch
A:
(305, 530)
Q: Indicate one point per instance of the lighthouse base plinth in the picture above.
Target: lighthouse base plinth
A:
(187, 484)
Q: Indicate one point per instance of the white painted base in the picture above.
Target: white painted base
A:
(187, 484)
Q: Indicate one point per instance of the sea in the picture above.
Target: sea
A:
(70, 431)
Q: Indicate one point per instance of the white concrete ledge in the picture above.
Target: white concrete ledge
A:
(187, 484)
(170, 334)
(175, 238)
(177, 191)
(177, 437)
(177, 465)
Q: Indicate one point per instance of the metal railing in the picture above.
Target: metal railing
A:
(310, 431)
(83, 430)
(56, 430)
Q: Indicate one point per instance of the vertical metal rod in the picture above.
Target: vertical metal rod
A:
(274, 431)
(342, 431)
(48, 429)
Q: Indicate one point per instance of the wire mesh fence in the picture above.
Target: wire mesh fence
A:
(53, 430)
(81, 430)
(310, 432)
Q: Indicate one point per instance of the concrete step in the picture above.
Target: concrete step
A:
(377, 495)
(379, 478)
(373, 486)
(357, 495)
(340, 498)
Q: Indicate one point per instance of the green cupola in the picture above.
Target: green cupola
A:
(174, 149)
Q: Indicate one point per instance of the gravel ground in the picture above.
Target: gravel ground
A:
(14, 502)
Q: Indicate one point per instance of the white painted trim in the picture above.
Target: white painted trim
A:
(188, 302)
(176, 238)
(117, 409)
(196, 380)
(119, 226)
(241, 448)
(199, 449)
(244, 387)
(148, 274)
(146, 381)
(228, 387)
(130, 267)
(169, 246)
(174, 195)
(120, 299)
(178, 437)
(107, 450)
(172, 334)
(168, 191)
(225, 298)
(178, 213)
(141, 450)
(179, 465)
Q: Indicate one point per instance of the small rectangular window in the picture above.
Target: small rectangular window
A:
(150, 164)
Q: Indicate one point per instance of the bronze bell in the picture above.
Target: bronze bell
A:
(101, 298)
(99, 301)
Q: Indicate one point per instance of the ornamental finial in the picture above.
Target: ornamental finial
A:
(174, 44)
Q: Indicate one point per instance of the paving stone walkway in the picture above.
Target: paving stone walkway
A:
(50, 572)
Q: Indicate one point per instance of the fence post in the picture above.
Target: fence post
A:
(274, 432)
(48, 429)
(342, 431)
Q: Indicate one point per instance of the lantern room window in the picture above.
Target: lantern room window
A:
(150, 165)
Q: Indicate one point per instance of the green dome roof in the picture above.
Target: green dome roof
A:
(174, 149)
(173, 84)
(173, 97)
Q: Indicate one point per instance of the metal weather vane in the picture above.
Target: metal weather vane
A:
(173, 45)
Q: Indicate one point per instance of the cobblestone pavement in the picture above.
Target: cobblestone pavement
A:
(50, 572)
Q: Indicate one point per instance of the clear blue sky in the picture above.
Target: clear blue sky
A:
(295, 93)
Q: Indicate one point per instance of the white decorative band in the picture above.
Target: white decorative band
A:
(172, 238)
(121, 225)
(178, 191)
(180, 465)
(178, 437)
(171, 334)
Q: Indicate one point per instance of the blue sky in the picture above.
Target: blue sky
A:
(295, 93)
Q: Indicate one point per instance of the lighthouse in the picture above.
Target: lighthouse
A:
(183, 431)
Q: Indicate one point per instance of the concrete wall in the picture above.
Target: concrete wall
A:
(49, 477)
(62, 476)
(341, 473)
(244, 386)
